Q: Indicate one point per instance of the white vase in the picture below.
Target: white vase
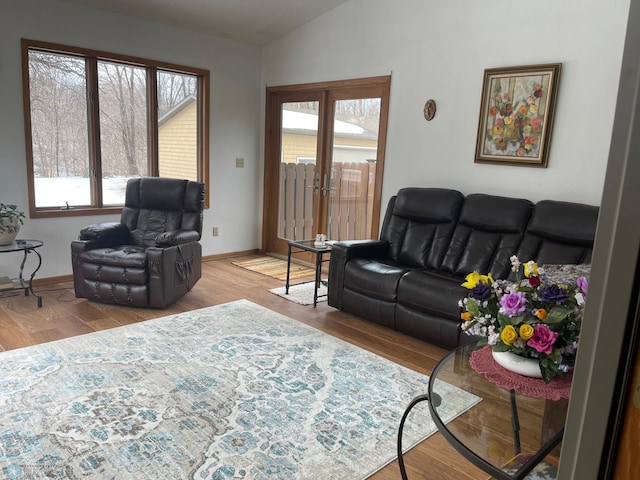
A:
(10, 232)
(528, 367)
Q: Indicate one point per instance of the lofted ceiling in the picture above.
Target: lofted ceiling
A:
(255, 22)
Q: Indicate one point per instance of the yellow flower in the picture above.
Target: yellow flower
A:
(486, 279)
(541, 313)
(526, 331)
(530, 268)
(533, 108)
(471, 280)
(474, 278)
(508, 334)
(466, 316)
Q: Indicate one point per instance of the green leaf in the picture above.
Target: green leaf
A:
(557, 315)
(472, 307)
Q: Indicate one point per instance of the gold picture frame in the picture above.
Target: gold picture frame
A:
(516, 115)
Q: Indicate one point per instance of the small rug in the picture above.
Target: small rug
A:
(276, 268)
(234, 391)
(302, 293)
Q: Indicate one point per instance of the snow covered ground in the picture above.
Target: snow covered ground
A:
(76, 191)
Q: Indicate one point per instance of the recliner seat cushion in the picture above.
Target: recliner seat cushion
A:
(373, 278)
(120, 256)
(431, 293)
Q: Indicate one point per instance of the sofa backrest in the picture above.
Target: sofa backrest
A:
(488, 233)
(419, 224)
(154, 205)
(560, 233)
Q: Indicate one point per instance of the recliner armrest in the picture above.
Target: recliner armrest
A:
(176, 237)
(105, 234)
(341, 253)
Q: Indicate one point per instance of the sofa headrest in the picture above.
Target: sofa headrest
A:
(566, 222)
(428, 205)
(492, 213)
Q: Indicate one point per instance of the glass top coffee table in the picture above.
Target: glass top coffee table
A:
(507, 434)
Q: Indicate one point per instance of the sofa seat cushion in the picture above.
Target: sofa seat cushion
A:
(374, 278)
(431, 293)
(120, 256)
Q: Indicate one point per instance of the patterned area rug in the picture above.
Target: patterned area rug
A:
(234, 391)
(276, 268)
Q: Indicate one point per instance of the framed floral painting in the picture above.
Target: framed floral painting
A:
(516, 115)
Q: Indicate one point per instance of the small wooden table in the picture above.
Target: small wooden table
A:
(26, 247)
(298, 246)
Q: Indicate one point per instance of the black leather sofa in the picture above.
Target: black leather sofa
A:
(431, 238)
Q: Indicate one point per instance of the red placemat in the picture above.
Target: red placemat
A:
(482, 362)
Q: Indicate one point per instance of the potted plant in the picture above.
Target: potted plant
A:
(10, 221)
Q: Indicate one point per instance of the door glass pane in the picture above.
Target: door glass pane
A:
(299, 146)
(60, 142)
(178, 125)
(353, 171)
(123, 127)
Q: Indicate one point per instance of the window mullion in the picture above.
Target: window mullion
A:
(93, 119)
(152, 121)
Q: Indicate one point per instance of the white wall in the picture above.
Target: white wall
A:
(435, 49)
(235, 114)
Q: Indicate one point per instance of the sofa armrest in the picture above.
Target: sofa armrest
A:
(341, 253)
(176, 237)
(105, 234)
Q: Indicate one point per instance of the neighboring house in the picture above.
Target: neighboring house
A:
(352, 143)
(178, 142)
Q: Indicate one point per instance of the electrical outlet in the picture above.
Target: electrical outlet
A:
(215, 231)
(239, 162)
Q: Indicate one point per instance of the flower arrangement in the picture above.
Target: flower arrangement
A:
(533, 316)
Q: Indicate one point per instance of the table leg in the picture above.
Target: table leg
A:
(515, 422)
(318, 277)
(286, 289)
(29, 287)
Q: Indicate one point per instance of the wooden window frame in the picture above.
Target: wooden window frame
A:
(91, 58)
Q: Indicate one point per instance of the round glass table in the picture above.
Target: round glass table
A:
(507, 434)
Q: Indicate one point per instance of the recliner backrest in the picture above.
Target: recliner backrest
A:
(487, 234)
(154, 205)
(419, 223)
(560, 233)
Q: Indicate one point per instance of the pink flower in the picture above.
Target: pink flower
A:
(543, 339)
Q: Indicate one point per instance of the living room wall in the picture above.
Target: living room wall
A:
(439, 50)
(234, 120)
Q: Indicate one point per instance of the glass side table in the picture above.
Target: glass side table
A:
(27, 247)
(298, 246)
(507, 434)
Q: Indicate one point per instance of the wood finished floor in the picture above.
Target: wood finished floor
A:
(62, 315)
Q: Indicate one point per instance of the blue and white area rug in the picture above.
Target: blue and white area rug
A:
(234, 391)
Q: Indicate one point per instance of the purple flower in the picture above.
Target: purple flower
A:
(481, 291)
(583, 283)
(543, 339)
(513, 303)
(553, 294)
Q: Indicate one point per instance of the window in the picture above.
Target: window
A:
(93, 120)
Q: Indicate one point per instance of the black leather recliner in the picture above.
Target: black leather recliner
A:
(153, 256)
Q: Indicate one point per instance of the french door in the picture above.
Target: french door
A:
(324, 158)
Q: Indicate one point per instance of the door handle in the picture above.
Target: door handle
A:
(325, 189)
